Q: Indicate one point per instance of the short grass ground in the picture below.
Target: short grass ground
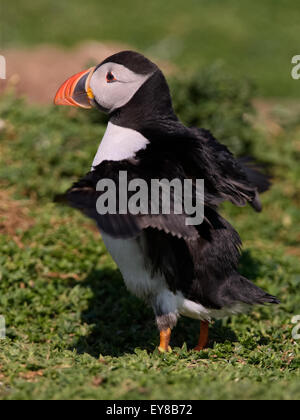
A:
(73, 331)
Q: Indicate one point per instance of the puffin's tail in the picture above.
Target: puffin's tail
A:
(243, 290)
(257, 178)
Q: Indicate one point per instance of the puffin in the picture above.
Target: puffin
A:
(175, 267)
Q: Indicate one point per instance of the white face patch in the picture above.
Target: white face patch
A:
(117, 93)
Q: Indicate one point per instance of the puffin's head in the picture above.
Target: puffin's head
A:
(110, 85)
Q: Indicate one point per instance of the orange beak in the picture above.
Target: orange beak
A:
(76, 91)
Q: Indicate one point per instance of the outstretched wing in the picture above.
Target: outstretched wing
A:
(201, 156)
(83, 195)
(239, 180)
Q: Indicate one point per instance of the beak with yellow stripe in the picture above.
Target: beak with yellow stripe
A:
(76, 91)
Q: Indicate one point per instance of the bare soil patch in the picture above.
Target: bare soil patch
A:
(13, 217)
(38, 72)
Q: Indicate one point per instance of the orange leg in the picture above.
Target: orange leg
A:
(203, 338)
(165, 337)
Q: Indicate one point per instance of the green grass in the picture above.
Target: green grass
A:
(256, 38)
(73, 331)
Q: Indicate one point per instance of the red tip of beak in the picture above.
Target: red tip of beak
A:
(66, 94)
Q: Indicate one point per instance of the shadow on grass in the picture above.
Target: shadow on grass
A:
(120, 322)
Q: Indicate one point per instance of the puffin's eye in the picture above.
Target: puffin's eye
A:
(110, 77)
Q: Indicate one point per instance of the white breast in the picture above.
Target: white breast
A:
(119, 143)
(128, 255)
